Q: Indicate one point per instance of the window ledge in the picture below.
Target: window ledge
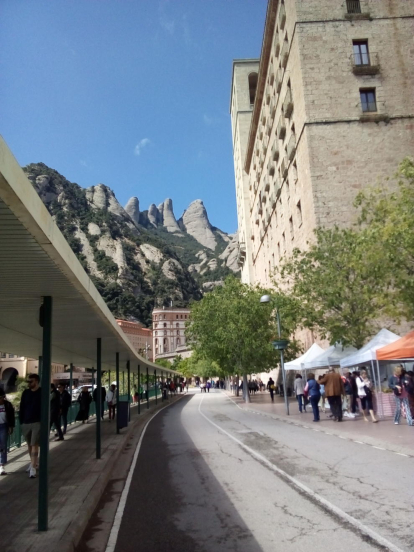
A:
(365, 69)
(357, 16)
(374, 118)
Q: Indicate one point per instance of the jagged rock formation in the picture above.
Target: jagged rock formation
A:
(137, 259)
(195, 222)
(132, 208)
(168, 219)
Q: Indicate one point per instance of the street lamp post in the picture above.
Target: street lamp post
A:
(280, 345)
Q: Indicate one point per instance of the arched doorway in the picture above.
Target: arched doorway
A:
(8, 379)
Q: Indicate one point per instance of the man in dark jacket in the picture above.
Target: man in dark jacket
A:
(6, 428)
(55, 411)
(30, 416)
(65, 404)
(103, 397)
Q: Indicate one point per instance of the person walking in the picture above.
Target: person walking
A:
(30, 416)
(111, 400)
(365, 395)
(271, 387)
(299, 388)
(65, 404)
(312, 388)
(55, 412)
(401, 385)
(208, 385)
(334, 389)
(349, 396)
(103, 398)
(6, 428)
(410, 391)
(323, 397)
(84, 401)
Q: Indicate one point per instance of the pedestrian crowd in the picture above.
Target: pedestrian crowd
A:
(351, 393)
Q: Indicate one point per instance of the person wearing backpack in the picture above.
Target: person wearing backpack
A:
(313, 391)
(401, 384)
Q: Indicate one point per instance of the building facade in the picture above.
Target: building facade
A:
(140, 337)
(332, 112)
(168, 325)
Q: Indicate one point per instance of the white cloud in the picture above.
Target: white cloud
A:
(209, 121)
(167, 23)
(141, 145)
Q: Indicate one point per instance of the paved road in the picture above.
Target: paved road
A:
(210, 477)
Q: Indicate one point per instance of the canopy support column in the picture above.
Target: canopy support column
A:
(156, 388)
(139, 389)
(129, 390)
(43, 499)
(147, 389)
(70, 390)
(98, 403)
(117, 389)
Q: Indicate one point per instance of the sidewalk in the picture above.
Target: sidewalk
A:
(76, 482)
(383, 435)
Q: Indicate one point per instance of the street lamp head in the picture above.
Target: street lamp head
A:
(265, 299)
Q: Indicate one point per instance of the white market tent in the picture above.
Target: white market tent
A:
(330, 357)
(299, 363)
(368, 352)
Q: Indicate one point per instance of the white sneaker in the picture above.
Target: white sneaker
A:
(2, 470)
(32, 473)
(396, 423)
(345, 415)
(350, 415)
(29, 467)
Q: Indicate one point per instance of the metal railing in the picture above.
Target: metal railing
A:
(16, 439)
(365, 63)
(353, 6)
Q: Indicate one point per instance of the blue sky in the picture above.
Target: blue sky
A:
(131, 93)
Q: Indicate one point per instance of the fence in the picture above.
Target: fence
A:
(16, 439)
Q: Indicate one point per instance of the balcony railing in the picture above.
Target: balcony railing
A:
(365, 63)
(288, 104)
(282, 16)
(285, 53)
(275, 151)
(281, 128)
(353, 6)
(353, 10)
(284, 168)
(291, 147)
(279, 79)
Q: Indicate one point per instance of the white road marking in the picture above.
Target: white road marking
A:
(376, 537)
(401, 454)
(113, 537)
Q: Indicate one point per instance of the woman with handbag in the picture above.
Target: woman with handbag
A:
(365, 395)
(402, 386)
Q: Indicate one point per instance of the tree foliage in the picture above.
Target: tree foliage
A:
(231, 328)
(387, 222)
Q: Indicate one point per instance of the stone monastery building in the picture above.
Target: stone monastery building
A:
(327, 110)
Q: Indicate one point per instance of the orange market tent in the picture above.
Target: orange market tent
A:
(401, 349)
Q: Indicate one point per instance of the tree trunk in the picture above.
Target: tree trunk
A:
(246, 394)
(237, 385)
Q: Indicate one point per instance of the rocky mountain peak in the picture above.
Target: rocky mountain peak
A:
(132, 208)
(195, 222)
(102, 197)
(168, 219)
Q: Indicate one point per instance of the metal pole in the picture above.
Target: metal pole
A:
(70, 390)
(379, 379)
(282, 364)
(155, 384)
(123, 382)
(139, 389)
(117, 388)
(39, 370)
(93, 377)
(43, 502)
(129, 390)
(98, 403)
(147, 389)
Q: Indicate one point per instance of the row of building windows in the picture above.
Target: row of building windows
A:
(163, 317)
(166, 332)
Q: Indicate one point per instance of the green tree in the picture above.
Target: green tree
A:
(230, 327)
(387, 223)
(342, 291)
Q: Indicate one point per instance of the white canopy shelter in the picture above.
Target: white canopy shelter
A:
(299, 363)
(367, 353)
(330, 357)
